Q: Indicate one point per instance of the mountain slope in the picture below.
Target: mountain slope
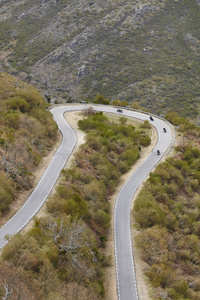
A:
(146, 51)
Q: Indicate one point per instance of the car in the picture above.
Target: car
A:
(120, 110)
(151, 118)
(164, 129)
(158, 152)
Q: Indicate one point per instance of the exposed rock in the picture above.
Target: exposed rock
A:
(82, 71)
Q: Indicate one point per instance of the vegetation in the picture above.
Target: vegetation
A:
(100, 99)
(27, 132)
(64, 252)
(167, 213)
(130, 51)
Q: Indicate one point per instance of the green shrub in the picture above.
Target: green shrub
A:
(147, 212)
(2, 141)
(6, 193)
(12, 120)
(102, 219)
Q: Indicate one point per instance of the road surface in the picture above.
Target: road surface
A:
(125, 274)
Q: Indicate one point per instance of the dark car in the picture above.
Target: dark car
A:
(151, 118)
(158, 152)
(120, 110)
(164, 129)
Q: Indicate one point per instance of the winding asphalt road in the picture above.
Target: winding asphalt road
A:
(125, 274)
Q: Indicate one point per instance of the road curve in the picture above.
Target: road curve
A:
(125, 274)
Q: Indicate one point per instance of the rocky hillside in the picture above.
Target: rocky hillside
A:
(141, 50)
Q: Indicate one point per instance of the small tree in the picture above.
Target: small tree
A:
(146, 124)
(100, 99)
(89, 111)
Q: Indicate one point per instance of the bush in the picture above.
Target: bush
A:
(130, 156)
(2, 141)
(12, 120)
(153, 243)
(146, 124)
(161, 275)
(102, 219)
(6, 193)
(147, 212)
(123, 120)
(100, 99)
(145, 140)
(181, 287)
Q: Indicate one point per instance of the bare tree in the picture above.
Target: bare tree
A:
(17, 283)
(13, 160)
(8, 291)
(89, 111)
(9, 162)
(68, 237)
